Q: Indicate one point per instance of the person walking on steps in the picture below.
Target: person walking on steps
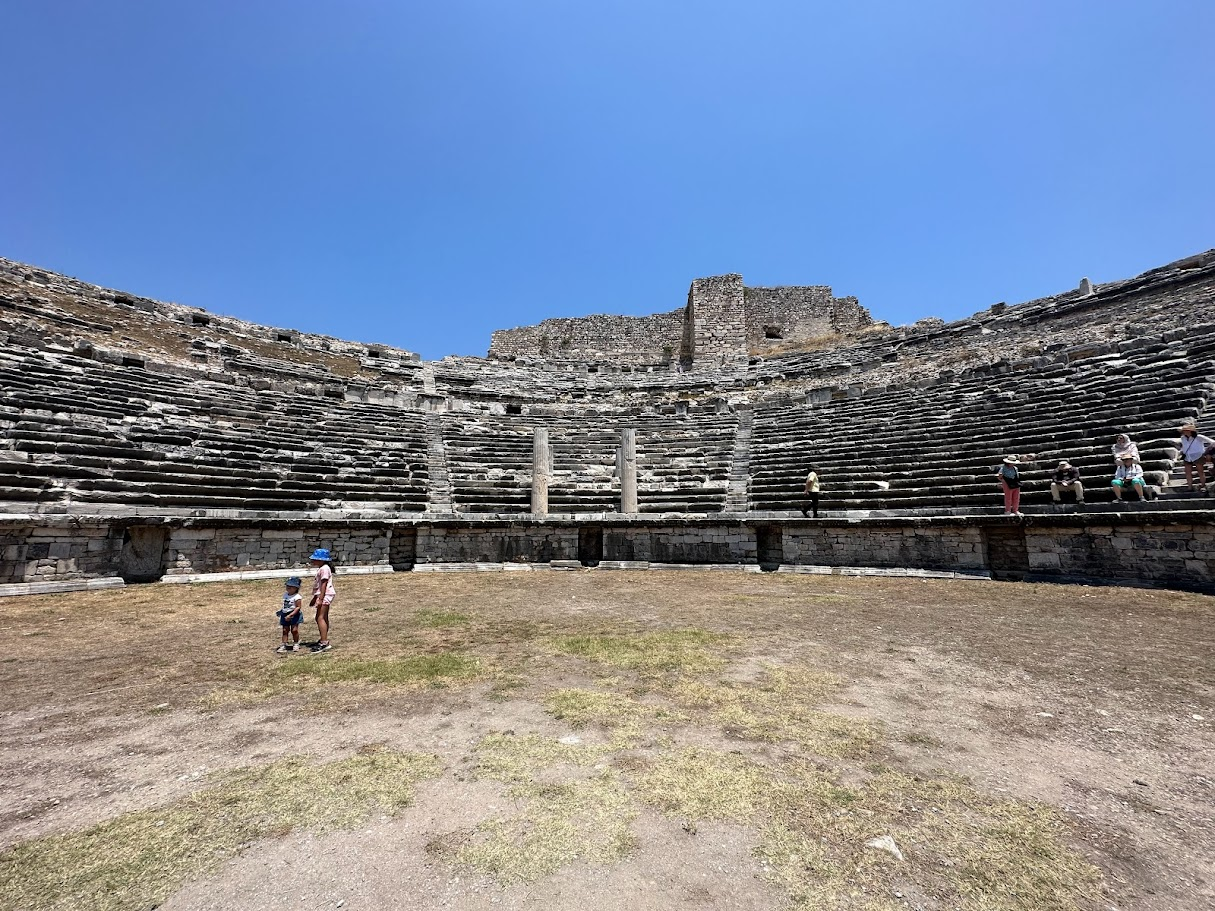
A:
(323, 593)
(1010, 481)
(811, 491)
(1067, 478)
(1195, 450)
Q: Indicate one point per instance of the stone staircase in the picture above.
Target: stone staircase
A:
(738, 494)
(439, 499)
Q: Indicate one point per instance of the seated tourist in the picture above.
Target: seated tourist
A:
(1067, 478)
(1196, 450)
(1129, 476)
(1124, 445)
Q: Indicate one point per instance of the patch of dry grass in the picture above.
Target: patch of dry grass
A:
(582, 708)
(688, 651)
(440, 619)
(705, 784)
(562, 817)
(782, 706)
(965, 849)
(138, 859)
(412, 670)
(559, 823)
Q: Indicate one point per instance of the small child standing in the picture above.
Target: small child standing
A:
(323, 594)
(290, 615)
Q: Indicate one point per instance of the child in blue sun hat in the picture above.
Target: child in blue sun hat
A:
(323, 594)
(290, 615)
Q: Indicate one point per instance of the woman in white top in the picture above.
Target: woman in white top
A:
(1196, 450)
(1124, 446)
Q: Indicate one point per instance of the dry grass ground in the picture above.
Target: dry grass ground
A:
(611, 740)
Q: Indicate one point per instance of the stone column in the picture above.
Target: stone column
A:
(628, 470)
(542, 470)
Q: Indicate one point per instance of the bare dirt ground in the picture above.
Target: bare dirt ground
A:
(595, 739)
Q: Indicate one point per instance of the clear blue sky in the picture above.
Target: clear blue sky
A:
(420, 174)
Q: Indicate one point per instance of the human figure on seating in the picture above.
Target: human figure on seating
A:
(1067, 478)
(1196, 450)
(811, 491)
(1124, 445)
(1129, 476)
(1010, 481)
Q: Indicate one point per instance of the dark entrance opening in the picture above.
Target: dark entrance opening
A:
(403, 549)
(590, 546)
(1007, 557)
(142, 558)
(769, 547)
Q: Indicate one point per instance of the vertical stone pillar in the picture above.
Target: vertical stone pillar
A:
(542, 469)
(628, 470)
(1086, 287)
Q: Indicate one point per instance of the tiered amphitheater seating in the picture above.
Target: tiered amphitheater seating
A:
(102, 434)
(937, 447)
(683, 462)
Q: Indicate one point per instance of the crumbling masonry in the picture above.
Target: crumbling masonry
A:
(143, 441)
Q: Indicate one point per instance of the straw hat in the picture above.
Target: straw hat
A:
(1010, 460)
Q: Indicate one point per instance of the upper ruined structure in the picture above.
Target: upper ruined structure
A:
(116, 402)
(723, 322)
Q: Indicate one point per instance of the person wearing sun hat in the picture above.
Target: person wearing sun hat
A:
(1195, 450)
(1129, 476)
(1010, 481)
(323, 593)
(1067, 477)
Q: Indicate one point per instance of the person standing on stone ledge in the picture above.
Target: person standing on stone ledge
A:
(811, 491)
(1067, 478)
(1010, 481)
(1195, 450)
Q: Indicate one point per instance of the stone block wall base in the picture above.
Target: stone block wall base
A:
(54, 588)
(897, 571)
(249, 575)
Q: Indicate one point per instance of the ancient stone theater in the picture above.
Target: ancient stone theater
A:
(145, 441)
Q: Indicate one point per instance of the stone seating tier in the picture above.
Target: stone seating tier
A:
(941, 445)
(683, 464)
(94, 432)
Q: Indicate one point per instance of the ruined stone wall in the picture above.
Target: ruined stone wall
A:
(220, 549)
(512, 544)
(627, 339)
(939, 547)
(57, 550)
(787, 313)
(1150, 553)
(1127, 547)
(718, 544)
(776, 315)
(717, 315)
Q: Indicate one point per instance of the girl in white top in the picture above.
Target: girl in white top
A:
(323, 593)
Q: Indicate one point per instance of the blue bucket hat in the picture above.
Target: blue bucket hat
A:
(321, 553)
(293, 582)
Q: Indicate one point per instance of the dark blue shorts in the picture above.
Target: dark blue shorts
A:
(287, 621)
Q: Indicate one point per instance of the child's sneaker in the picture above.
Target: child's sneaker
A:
(284, 648)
